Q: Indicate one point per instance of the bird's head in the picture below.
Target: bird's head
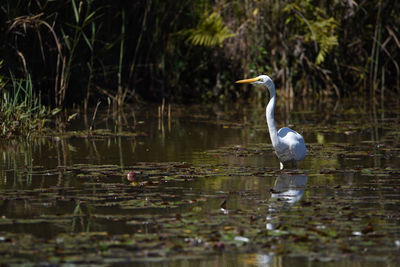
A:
(262, 79)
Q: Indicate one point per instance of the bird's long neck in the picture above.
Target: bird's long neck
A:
(269, 113)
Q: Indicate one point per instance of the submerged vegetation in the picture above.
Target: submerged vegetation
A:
(207, 186)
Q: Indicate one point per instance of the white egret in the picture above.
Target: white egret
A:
(289, 145)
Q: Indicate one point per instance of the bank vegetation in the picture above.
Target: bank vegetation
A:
(80, 52)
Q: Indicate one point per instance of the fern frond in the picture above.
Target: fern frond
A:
(317, 29)
(210, 32)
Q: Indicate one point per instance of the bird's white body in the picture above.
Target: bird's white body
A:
(289, 145)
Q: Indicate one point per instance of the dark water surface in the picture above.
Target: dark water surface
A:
(201, 186)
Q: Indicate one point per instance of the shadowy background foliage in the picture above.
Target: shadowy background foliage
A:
(82, 51)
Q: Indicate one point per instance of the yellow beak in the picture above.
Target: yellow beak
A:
(252, 80)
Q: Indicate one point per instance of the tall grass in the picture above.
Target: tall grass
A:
(21, 111)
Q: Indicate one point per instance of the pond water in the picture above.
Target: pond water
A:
(200, 186)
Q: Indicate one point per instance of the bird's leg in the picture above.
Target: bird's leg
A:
(288, 164)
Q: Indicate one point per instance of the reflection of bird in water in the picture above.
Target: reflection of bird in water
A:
(289, 145)
(289, 189)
